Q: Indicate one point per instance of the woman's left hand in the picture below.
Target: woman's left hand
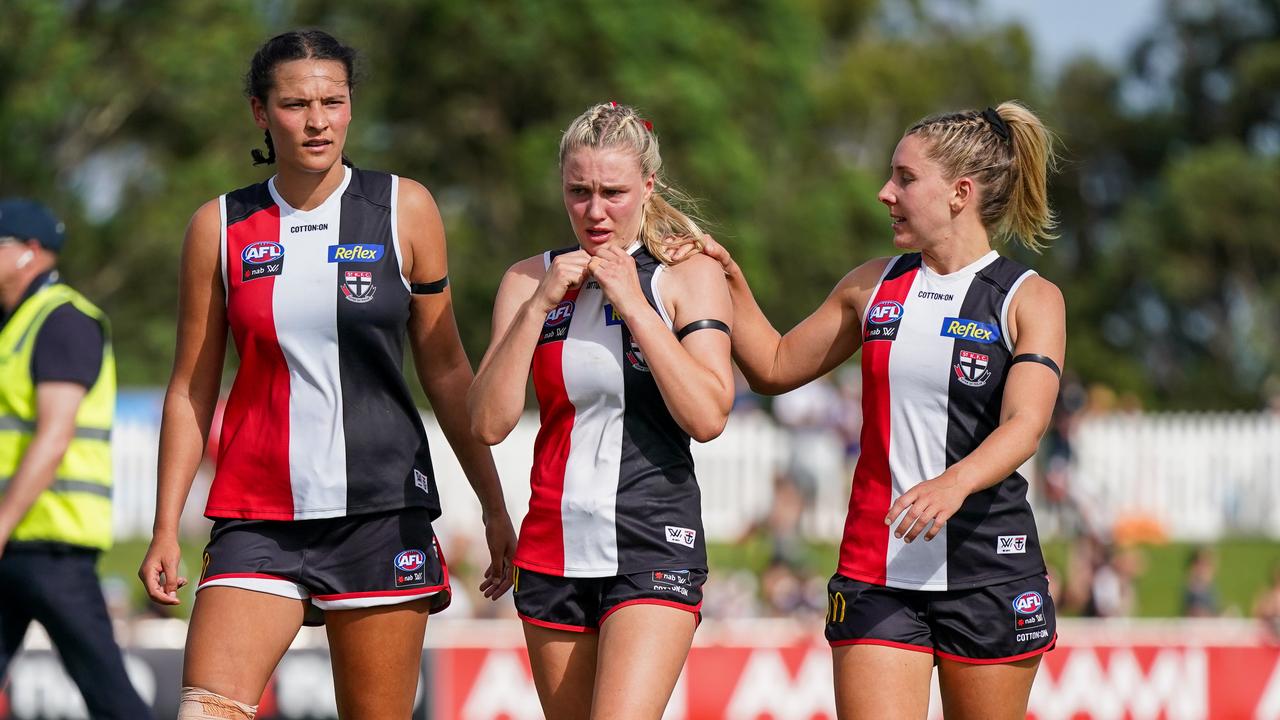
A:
(501, 538)
(615, 270)
(932, 501)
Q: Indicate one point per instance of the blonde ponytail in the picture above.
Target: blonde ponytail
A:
(1010, 155)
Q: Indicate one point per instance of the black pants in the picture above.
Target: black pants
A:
(59, 589)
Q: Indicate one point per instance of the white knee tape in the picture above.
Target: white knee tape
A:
(199, 704)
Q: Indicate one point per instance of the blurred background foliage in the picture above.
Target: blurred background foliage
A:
(780, 115)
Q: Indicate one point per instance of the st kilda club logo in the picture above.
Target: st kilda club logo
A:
(357, 286)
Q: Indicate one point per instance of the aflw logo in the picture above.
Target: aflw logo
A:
(681, 536)
(1011, 544)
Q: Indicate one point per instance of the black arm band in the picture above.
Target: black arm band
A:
(1042, 359)
(697, 325)
(431, 288)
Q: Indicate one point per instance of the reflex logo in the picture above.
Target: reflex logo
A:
(355, 253)
(965, 329)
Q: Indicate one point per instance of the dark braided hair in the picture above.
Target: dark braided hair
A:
(286, 47)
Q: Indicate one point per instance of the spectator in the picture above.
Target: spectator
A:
(1114, 590)
(1267, 606)
(1199, 597)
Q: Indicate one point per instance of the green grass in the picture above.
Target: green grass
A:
(1244, 566)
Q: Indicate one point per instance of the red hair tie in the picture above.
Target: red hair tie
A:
(647, 125)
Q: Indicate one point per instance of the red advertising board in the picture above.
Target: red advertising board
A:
(1096, 675)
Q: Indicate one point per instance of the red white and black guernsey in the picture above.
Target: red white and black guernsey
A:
(613, 487)
(320, 422)
(935, 354)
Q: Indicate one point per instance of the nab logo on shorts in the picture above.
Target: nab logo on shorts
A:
(261, 259)
(965, 329)
(1028, 610)
(882, 321)
(681, 536)
(409, 568)
(671, 581)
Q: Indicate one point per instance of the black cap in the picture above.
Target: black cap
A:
(29, 220)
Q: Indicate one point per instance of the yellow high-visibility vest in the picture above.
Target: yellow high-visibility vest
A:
(77, 508)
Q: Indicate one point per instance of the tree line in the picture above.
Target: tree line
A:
(779, 116)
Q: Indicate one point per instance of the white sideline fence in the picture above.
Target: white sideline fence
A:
(1198, 476)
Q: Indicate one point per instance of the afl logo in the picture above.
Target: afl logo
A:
(884, 312)
(1028, 603)
(561, 314)
(411, 560)
(263, 251)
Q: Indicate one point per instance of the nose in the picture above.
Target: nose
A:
(886, 195)
(316, 118)
(595, 207)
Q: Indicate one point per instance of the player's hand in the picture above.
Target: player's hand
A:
(679, 250)
(566, 272)
(501, 538)
(927, 505)
(615, 270)
(714, 250)
(159, 570)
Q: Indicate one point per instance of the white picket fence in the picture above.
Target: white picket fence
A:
(1199, 476)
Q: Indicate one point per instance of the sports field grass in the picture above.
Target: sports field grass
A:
(1244, 565)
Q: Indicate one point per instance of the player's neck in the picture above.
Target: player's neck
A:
(308, 190)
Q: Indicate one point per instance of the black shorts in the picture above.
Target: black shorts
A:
(996, 624)
(341, 563)
(582, 604)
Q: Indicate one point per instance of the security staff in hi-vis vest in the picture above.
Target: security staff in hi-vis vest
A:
(57, 396)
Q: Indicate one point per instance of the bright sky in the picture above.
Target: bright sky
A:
(1062, 29)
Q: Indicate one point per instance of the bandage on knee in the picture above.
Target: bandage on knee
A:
(199, 704)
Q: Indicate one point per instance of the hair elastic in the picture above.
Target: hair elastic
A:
(997, 123)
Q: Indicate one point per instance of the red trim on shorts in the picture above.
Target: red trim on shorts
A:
(257, 576)
(695, 609)
(885, 643)
(997, 661)
(557, 626)
(382, 593)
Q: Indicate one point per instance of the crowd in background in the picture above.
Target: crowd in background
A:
(781, 570)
